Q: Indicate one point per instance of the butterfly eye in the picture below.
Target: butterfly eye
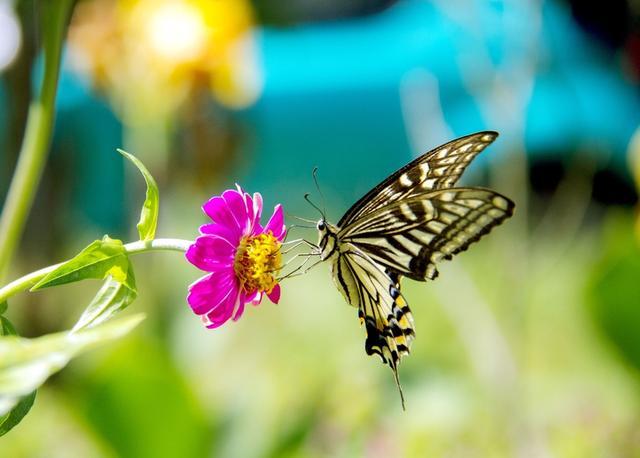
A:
(321, 226)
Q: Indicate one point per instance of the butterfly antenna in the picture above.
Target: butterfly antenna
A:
(293, 226)
(397, 379)
(315, 179)
(306, 197)
(301, 219)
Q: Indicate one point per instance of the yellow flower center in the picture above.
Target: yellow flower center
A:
(257, 261)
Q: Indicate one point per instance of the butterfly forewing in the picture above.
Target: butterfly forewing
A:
(440, 168)
(409, 237)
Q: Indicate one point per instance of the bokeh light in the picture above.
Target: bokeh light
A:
(10, 36)
(176, 32)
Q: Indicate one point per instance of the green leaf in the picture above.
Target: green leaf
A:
(15, 415)
(6, 328)
(25, 364)
(112, 298)
(100, 259)
(18, 412)
(149, 214)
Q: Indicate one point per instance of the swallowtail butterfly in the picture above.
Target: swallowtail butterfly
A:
(402, 228)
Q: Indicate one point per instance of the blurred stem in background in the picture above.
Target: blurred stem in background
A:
(634, 163)
(37, 138)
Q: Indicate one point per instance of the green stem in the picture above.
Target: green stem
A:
(26, 282)
(37, 136)
(142, 246)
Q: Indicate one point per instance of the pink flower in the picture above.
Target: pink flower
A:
(242, 257)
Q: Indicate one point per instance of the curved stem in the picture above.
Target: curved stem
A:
(37, 136)
(157, 245)
(26, 282)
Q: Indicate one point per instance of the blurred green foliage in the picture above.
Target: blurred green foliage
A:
(137, 400)
(9, 420)
(615, 290)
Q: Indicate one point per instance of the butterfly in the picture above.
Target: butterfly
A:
(402, 228)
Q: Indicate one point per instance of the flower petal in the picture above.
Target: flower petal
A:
(211, 253)
(221, 231)
(210, 291)
(257, 229)
(276, 223)
(254, 297)
(238, 207)
(257, 206)
(217, 209)
(257, 210)
(221, 314)
(240, 308)
(248, 202)
(254, 211)
(274, 295)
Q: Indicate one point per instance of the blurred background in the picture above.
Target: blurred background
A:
(528, 345)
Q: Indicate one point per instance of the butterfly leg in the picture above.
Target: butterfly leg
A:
(297, 271)
(296, 256)
(296, 243)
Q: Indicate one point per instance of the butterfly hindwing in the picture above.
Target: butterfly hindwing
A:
(411, 236)
(381, 306)
(440, 168)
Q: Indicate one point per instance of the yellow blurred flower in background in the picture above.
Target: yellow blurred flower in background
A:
(151, 56)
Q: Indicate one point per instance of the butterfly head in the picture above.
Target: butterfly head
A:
(327, 238)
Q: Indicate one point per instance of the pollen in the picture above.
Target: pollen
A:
(257, 261)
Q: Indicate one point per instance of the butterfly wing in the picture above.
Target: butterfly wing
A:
(381, 306)
(440, 168)
(410, 236)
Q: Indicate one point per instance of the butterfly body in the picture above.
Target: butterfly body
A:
(402, 228)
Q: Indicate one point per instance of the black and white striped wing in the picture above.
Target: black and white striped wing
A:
(410, 236)
(440, 168)
(381, 306)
